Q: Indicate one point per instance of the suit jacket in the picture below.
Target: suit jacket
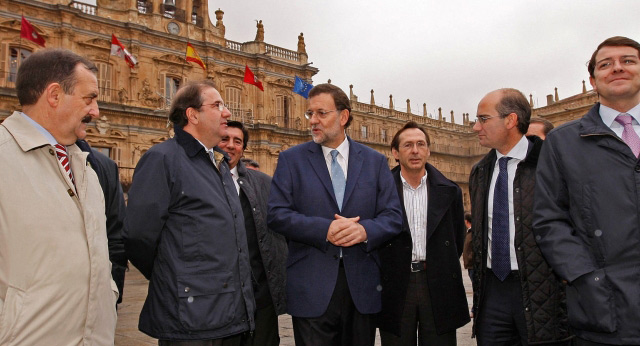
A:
(302, 206)
(445, 240)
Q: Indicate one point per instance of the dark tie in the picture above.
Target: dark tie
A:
(337, 178)
(629, 135)
(61, 153)
(500, 259)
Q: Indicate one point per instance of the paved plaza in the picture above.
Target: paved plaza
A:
(135, 291)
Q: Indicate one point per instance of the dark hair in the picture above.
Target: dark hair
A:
(395, 142)
(513, 101)
(340, 99)
(245, 132)
(467, 217)
(189, 95)
(250, 162)
(48, 66)
(616, 41)
(547, 125)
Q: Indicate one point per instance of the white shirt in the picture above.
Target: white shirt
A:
(234, 175)
(415, 206)
(609, 115)
(342, 158)
(517, 154)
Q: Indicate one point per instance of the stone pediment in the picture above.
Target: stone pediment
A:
(12, 24)
(233, 71)
(172, 59)
(283, 81)
(97, 43)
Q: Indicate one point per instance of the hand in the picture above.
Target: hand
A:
(346, 231)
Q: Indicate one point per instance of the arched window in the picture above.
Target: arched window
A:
(16, 57)
(170, 86)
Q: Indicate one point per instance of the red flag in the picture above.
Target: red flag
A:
(28, 32)
(118, 50)
(250, 78)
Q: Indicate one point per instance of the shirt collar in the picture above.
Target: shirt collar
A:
(343, 149)
(40, 129)
(406, 184)
(519, 151)
(234, 172)
(609, 115)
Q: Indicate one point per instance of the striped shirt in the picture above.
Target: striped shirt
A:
(415, 205)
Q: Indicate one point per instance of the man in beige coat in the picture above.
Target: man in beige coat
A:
(55, 274)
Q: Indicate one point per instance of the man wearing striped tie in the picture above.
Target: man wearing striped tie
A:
(55, 274)
(587, 219)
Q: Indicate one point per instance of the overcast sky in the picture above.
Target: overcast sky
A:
(448, 54)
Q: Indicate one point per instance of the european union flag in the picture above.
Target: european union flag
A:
(301, 87)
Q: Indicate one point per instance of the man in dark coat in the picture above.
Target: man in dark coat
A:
(267, 249)
(184, 230)
(422, 287)
(587, 201)
(109, 177)
(519, 300)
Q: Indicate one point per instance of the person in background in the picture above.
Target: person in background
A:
(539, 127)
(250, 164)
(467, 254)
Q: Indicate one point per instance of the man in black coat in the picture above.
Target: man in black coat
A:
(107, 172)
(519, 300)
(422, 287)
(267, 249)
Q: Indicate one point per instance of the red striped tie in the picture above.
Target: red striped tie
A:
(61, 152)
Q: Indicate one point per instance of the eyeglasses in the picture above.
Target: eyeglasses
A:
(220, 105)
(483, 118)
(409, 146)
(319, 114)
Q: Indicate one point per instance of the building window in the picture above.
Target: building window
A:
(283, 110)
(233, 100)
(104, 82)
(363, 131)
(171, 85)
(383, 135)
(17, 56)
(106, 151)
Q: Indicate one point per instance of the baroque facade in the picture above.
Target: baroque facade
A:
(134, 101)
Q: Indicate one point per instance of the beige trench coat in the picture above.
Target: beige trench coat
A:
(55, 274)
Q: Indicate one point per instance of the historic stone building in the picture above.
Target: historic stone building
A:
(559, 111)
(134, 101)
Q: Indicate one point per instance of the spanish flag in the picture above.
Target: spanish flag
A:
(193, 56)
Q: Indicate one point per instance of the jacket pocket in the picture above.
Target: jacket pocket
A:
(206, 301)
(590, 303)
(10, 314)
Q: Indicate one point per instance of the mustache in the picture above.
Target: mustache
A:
(86, 119)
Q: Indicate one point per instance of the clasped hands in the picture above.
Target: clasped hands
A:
(346, 232)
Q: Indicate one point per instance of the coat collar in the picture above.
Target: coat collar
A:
(592, 124)
(27, 136)
(191, 145)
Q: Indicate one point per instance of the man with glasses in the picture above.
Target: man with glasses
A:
(519, 300)
(335, 202)
(184, 230)
(422, 278)
(587, 200)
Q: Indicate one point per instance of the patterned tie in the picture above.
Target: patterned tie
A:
(500, 259)
(629, 135)
(337, 178)
(61, 153)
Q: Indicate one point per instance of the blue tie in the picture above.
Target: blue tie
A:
(337, 178)
(500, 259)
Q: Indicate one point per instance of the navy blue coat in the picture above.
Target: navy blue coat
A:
(302, 206)
(184, 230)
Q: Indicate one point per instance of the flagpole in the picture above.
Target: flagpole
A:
(185, 55)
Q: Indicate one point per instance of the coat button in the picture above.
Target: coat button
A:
(190, 300)
(519, 248)
(71, 193)
(187, 289)
(446, 243)
(52, 152)
(597, 278)
(240, 182)
(242, 284)
(517, 190)
(517, 218)
(225, 285)
(526, 309)
(637, 168)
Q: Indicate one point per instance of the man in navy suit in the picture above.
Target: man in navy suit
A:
(335, 202)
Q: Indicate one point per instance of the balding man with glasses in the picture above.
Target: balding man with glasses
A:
(519, 300)
(185, 231)
(335, 202)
